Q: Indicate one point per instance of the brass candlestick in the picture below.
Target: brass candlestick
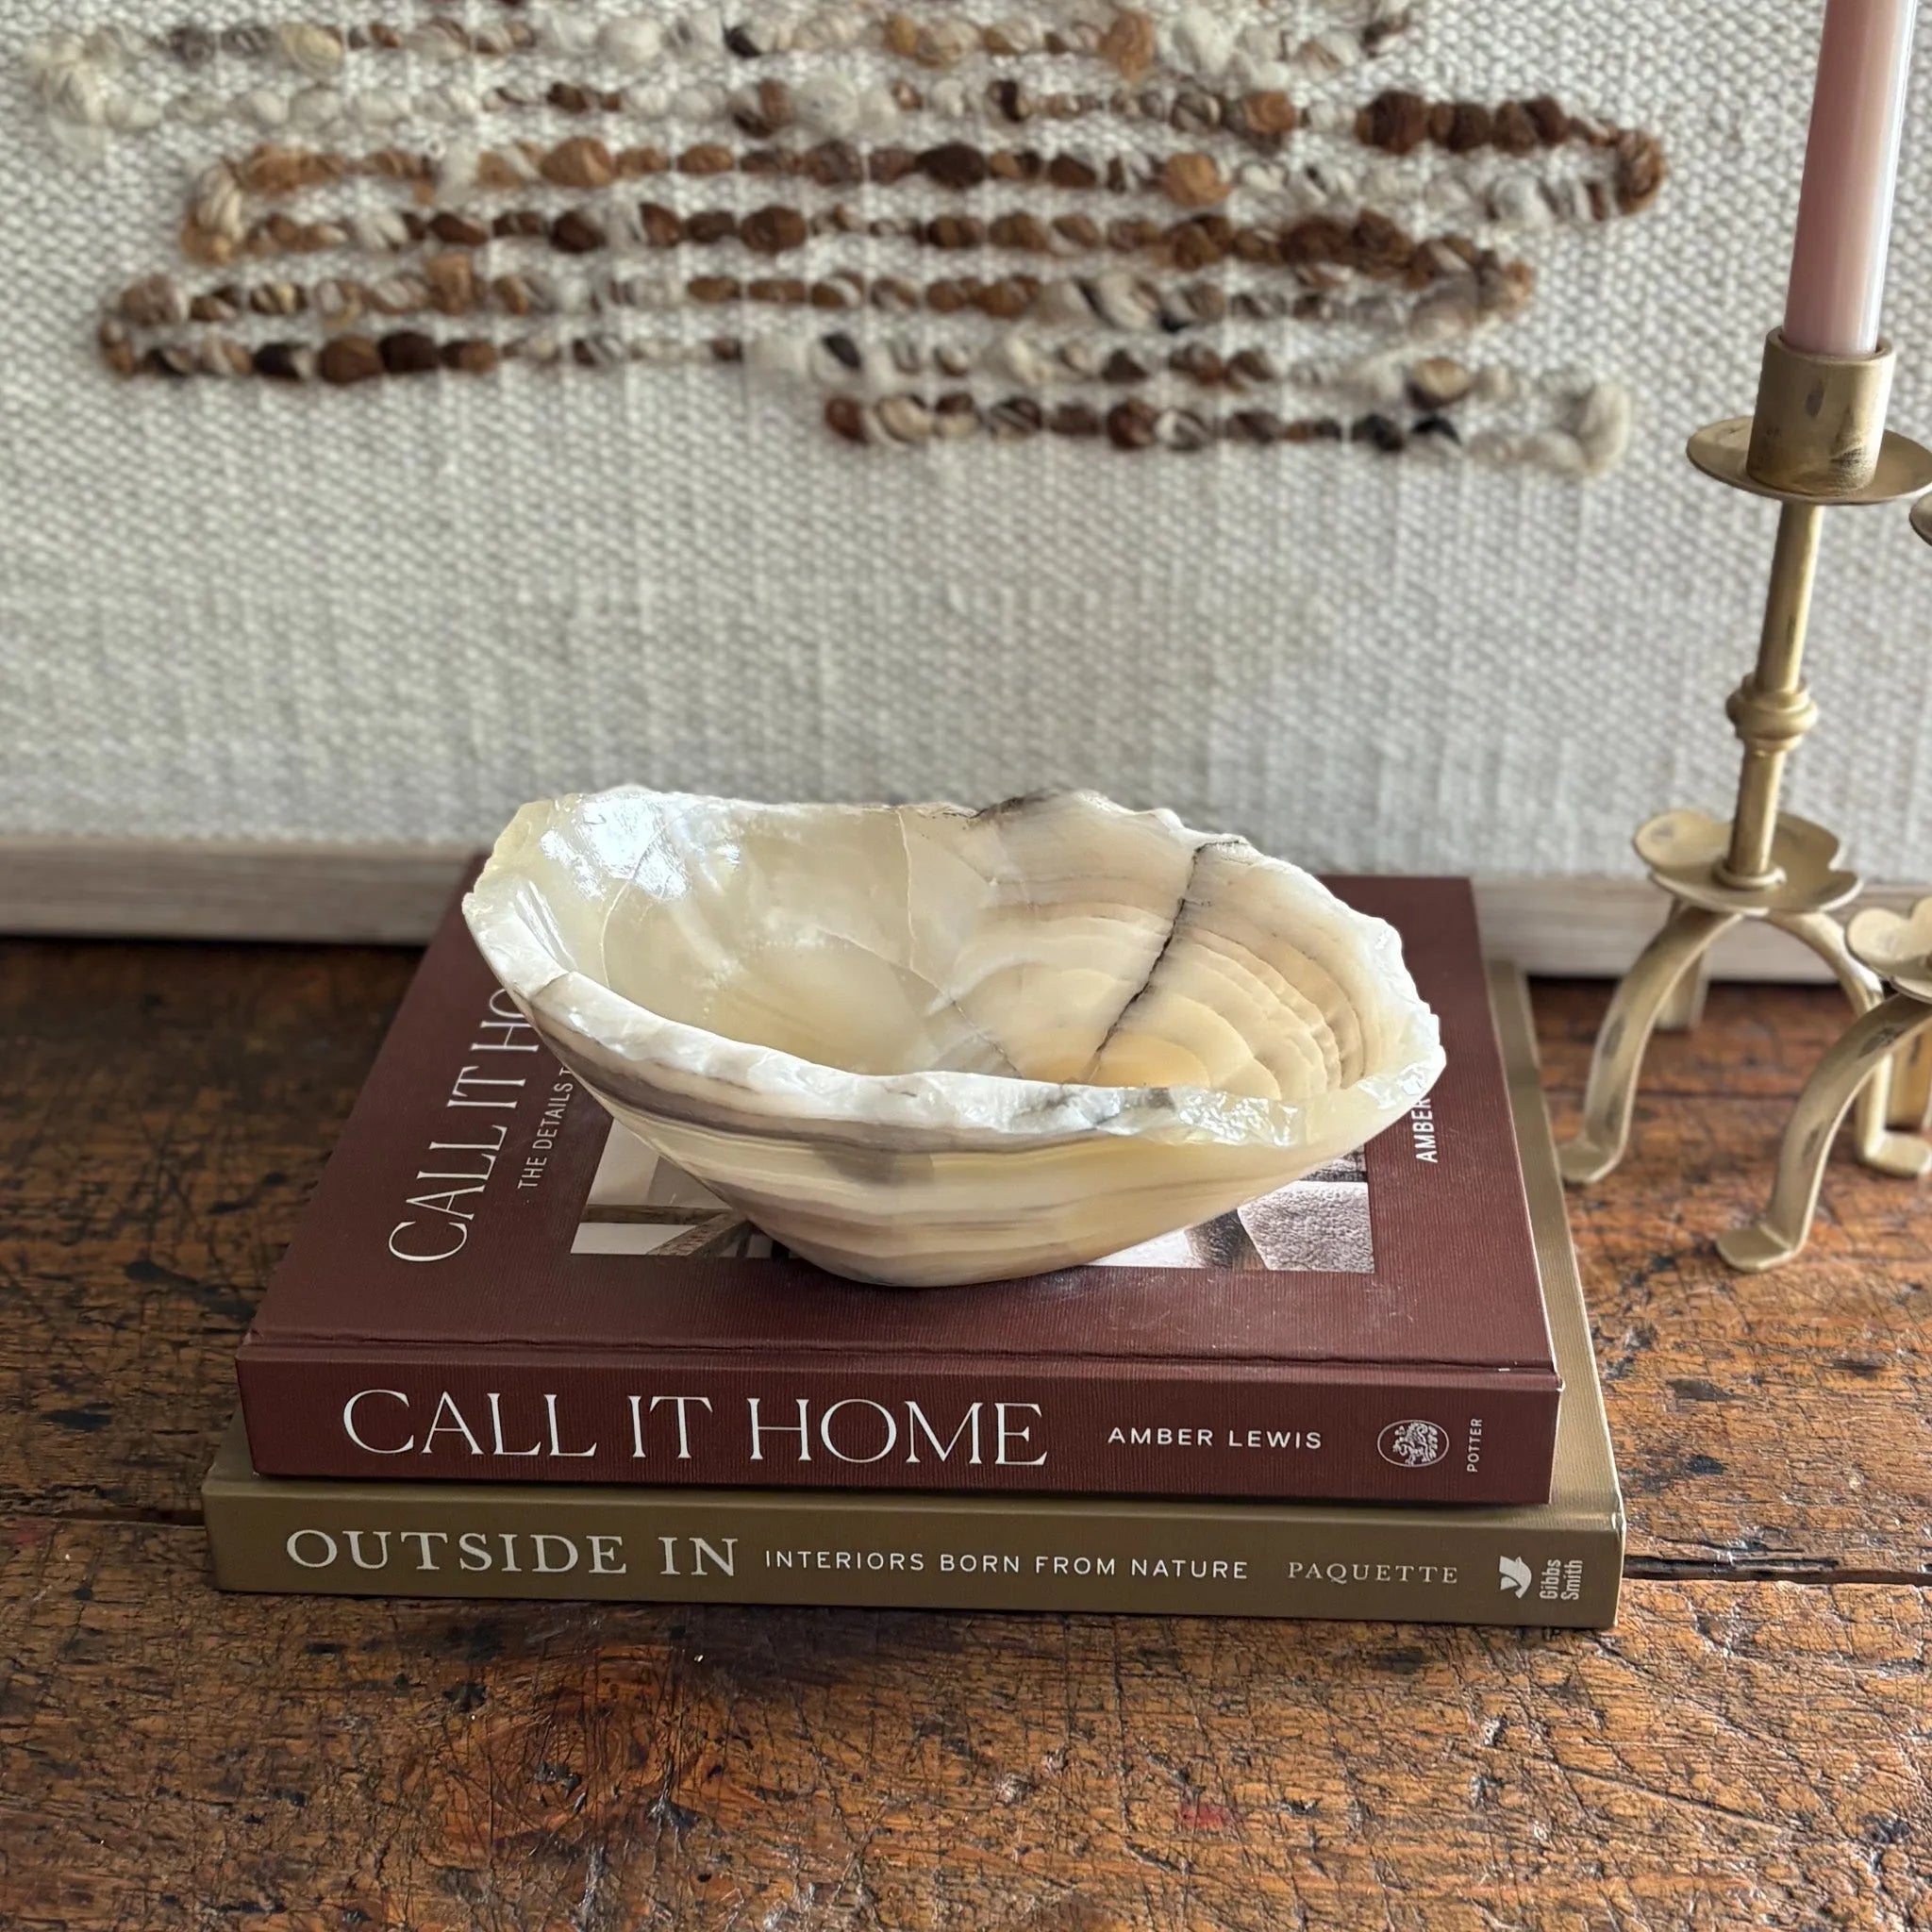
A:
(1894, 1035)
(1817, 439)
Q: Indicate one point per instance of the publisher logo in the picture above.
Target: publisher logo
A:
(1513, 1575)
(1413, 1445)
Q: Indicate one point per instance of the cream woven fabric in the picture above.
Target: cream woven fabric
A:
(395, 613)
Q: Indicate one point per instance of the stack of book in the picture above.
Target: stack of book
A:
(511, 1352)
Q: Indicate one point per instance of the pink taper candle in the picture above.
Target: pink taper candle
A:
(1851, 170)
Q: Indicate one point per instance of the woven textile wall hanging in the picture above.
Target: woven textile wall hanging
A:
(1257, 408)
(1082, 222)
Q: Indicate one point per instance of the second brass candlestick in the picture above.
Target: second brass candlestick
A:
(1816, 441)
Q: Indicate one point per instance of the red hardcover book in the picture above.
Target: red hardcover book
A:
(494, 1283)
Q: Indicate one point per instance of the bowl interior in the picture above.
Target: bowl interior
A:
(1060, 940)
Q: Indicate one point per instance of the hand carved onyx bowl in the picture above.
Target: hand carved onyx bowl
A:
(921, 1045)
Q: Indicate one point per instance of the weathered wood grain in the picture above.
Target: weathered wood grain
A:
(1769, 1422)
(1738, 1752)
(1754, 1041)
(1733, 1754)
(174, 1106)
(170, 1109)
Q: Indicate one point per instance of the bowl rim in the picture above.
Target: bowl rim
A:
(944, 1107)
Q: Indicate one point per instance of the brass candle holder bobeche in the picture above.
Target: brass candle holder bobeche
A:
(1816, 441)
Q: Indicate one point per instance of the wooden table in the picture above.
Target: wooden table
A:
(1749, 1745)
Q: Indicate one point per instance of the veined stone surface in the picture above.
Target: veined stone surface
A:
(921, 1046)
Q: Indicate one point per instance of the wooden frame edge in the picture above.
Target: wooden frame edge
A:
(1585, 926)
(220, 890)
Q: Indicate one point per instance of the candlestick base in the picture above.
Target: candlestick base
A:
(1900, 950)
(1697, 920)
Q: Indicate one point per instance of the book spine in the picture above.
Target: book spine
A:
(438, 1541)
(986, 1424)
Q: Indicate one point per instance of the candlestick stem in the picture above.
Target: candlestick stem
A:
(1771, 710)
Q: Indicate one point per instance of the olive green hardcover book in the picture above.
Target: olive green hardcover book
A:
(1556, 1563)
